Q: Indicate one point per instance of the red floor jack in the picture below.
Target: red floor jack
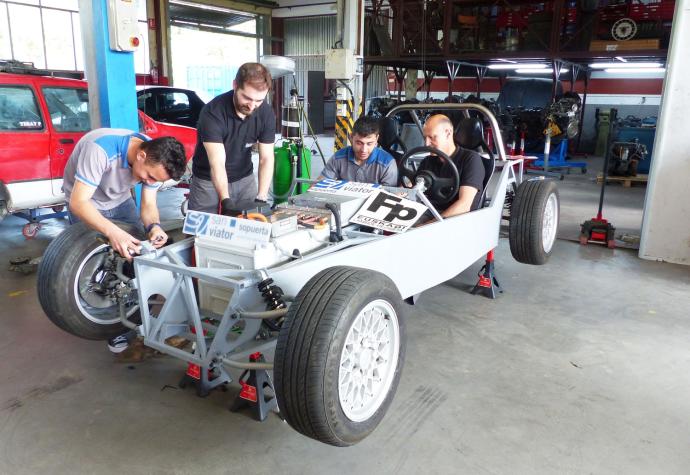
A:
(488, 284)
(599, 230)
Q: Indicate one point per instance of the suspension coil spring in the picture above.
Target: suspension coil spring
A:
(272, 294)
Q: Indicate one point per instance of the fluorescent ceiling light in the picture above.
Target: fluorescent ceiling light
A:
(624, 65)
(517, 66)
(634, 70)
(539, 70)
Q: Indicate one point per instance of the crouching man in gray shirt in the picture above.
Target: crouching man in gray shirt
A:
(363, 161)
(100, 174)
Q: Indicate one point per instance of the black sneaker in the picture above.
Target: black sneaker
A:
(119, 343)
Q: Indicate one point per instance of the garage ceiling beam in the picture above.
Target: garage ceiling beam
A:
(259, 8)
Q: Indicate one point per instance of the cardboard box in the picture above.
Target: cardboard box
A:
(282, 223)
(630, 45)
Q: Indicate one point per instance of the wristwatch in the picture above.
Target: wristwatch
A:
(150, 227)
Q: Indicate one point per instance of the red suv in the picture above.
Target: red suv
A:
(41, 120)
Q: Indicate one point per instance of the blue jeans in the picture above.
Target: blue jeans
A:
(126, 212)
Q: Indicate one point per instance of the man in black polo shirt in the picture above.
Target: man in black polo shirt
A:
(228, 127)
(438, 133)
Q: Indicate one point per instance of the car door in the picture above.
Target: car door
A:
(68, 108)
(24, 143)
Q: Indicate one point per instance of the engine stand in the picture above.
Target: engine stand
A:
(254, 383)
(487, 284)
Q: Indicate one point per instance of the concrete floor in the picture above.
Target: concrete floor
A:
(581, 366)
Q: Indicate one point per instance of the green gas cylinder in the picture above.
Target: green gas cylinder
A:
(603, 126)
(282, 174)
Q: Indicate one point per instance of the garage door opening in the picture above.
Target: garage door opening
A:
(210, 43)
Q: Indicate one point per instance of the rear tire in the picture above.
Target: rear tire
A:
(344, 333)
(534, 219)
(75, 254)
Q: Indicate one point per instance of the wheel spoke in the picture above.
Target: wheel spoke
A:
(368, 360)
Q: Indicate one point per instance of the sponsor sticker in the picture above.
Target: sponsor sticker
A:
(225, 228)
(344, 187)
(388, 212)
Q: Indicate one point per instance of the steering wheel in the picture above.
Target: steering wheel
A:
(440, 191)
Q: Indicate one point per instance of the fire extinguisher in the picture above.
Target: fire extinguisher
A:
(154, 74)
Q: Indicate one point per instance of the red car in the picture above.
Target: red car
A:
(41, 120)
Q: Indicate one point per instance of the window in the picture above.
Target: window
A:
(47, 33)
(63, 4)
(5, 45)
(68, 108)
(18, 109)
(146, 102)
(174, 102)
(27, 34)
(59, 40)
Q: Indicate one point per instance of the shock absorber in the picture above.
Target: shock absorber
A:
(273, 295)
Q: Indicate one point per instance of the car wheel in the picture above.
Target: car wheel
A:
(71, 266)
(534, 219)
(340, 354)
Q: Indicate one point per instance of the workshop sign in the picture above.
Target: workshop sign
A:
(225, 228)
(388, 212)
(344, 187)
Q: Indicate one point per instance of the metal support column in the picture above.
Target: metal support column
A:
(453, 70)
(481, 73)
(112, 85)
(349, 106)
(666, 217)
(556, 75)
(588, 73)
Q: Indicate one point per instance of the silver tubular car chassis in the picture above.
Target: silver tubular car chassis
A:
(333, 337)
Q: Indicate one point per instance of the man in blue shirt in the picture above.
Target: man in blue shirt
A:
(364, 161)
(101, 172)
(98, 179)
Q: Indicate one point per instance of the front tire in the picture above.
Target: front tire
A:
(340, 354)
(534, 219)
(67, 269)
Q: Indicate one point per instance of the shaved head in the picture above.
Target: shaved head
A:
(438, 120)
(438, 133)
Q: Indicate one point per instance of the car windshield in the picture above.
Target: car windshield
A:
(68, 108)
(18, 109)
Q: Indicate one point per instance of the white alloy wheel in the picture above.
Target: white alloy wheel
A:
(550, 223)
(89, 303)
(368, 360)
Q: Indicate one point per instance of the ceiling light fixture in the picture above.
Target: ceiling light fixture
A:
(517, 66)
(539, 70)
(634, 70)
(624, 65)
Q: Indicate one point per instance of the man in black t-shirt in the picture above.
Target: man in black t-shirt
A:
(229, 125)
(438, 133)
